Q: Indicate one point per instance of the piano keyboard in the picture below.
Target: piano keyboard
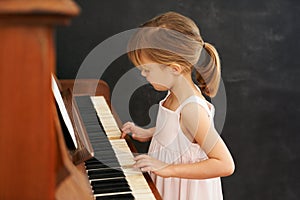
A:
(110, 172)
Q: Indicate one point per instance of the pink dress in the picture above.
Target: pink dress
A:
(169, 144)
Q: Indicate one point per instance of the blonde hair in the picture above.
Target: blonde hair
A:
(172, 37)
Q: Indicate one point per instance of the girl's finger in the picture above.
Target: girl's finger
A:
(142, 156)
(128, 124)
(127, 128)
(141, 164)
(146, 169)
(123, 135)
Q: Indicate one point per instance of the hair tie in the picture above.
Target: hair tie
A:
(203, 44)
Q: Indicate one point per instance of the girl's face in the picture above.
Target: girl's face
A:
(158, 75)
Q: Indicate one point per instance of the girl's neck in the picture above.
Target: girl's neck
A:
(183, 88)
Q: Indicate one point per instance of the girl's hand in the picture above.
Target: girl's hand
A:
(147, 163)
(138, 133)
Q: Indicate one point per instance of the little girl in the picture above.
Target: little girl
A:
(186, 157)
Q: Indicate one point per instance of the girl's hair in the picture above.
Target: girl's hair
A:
(173, 38)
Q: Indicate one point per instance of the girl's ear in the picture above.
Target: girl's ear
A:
(176, 68)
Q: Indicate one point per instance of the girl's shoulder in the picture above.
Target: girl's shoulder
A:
(193, 102)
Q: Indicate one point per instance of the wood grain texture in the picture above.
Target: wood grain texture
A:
(27, 134)
(28, 151)
(63, 7)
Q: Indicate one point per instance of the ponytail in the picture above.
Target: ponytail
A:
(209, 76)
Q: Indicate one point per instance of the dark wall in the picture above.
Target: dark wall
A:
(259, 48)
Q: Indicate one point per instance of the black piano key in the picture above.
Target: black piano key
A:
(93, 126)
(112, 187)
(102, 166)
(96, 161)
(111, 190)
(109, 163)
(88, 113)
(96, 132)
(96, 164)
(102, 147)
(92, 160)
(109, 183)
(106, 150)
(106, 158)
(99, 142)
(112, 160)
(105, 165)
(95, 136)
(116, 197)
(105, 173)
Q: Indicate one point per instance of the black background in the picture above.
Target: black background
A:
(258, 42)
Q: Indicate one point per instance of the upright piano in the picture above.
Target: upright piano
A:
(38, 161)
(100, 152)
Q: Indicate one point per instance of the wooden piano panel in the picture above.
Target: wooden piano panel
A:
(26, 125)
(86, 86)
(28, 148)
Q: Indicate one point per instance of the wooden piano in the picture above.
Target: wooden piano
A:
(38, 161)
(109, 160)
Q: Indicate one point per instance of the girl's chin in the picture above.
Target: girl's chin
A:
(159, 87)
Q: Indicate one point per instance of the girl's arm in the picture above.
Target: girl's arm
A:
(196, 123)
(218, 164)
(138, 133)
